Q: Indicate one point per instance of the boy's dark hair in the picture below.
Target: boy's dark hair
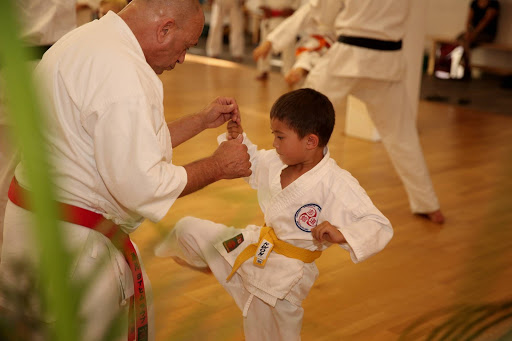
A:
(306, 111)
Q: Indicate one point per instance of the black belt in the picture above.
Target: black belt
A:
(374, 44)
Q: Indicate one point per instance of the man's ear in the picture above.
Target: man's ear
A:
(165, 29)
(312, 141)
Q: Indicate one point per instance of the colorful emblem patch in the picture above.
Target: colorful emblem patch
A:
(233, 243)
(307, 217)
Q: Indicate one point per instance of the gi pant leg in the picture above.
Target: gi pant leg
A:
(236, 29)
(215, 32)
(263, 64)
(94, 261)
(193, 241)
(288, 53)
(391, 112)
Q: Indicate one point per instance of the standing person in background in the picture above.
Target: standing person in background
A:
(220, 10)
(43, 23)
(367, 62)
(275, 12)
(316, 36)
(111, 153)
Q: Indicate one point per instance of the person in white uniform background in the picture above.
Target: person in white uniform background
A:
(316, 36)
(111, 148)
(367, 62)
(220, 10)
(309, 203)
(275, 12)
(43, 23)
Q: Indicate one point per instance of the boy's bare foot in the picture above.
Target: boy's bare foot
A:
(436, 217)
(262, 76)
(181, 262)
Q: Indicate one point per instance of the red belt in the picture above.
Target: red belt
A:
(277, 13)
(322, 42)
(79, 216)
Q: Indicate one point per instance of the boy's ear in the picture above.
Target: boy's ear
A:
(164, 30)
(312, 141)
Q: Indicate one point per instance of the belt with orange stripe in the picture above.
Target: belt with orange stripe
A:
(322, 42)
(80, 216)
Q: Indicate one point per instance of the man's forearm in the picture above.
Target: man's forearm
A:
(185, 128)
(201, 173)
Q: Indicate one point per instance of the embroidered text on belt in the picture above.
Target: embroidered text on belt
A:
(79, 216)
(322, 42)
(268, 242)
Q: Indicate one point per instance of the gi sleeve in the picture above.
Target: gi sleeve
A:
(133, 151)
(365, 228)
(286, 33)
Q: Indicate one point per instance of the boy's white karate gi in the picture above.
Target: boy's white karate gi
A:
(113, 153)
(376, 77)
(271, 297)
(220, 10)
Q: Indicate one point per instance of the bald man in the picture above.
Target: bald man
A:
(112, 155)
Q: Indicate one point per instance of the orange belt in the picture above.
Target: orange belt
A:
(79, 216)
(321, 44)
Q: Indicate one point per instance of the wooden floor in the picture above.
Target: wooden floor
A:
(420, 281)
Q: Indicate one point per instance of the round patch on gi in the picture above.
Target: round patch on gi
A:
(307, 216)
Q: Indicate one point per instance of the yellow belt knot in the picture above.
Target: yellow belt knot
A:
(268, 242)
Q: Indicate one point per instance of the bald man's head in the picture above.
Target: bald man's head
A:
(165, 29)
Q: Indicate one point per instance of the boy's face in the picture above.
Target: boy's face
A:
(291, 149)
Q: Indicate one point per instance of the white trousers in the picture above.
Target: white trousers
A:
(220, 10)
(288, 53)
(391, 112)
(94, 258)
(9, 158)
(193, 241)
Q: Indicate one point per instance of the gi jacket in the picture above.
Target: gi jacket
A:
(325, 193)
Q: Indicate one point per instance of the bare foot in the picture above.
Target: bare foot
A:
(436, 217)
(181, 262)
(263, 76)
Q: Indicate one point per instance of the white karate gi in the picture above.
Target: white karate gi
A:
(325, 193)
(43, 23)
(111, 151)
(220, 10)
(305, 24)
(267, 26)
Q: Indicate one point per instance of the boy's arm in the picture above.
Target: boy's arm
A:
(349, 210)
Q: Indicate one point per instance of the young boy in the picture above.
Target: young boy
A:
(309, 203)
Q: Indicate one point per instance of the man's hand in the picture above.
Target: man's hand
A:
(234, 129)
(221, 110)
(326, 232)
(262, 50)
(232, 159)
